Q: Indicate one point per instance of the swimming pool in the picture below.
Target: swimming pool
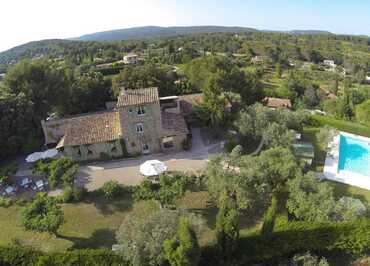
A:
(354, 155)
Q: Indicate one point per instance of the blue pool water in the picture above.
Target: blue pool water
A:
(354, 155)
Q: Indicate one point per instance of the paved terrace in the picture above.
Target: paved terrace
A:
(126, 171)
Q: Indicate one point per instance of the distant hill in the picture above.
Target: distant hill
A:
(32, 50)
(310, 32)
(154, 31)
(55, 47)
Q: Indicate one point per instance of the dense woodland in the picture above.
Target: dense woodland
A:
(63, 78)
(293, 211)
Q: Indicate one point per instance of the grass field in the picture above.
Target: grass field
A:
(350, 127)
(93, 223)
(87, 224)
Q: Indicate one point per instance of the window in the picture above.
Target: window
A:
(139, 128)
(168, 145)
(114, 149)
(141, 110)
(146, 148)
(130, 111)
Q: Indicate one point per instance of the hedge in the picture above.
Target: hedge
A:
(347, 126)
(290, 238)
(25, 256)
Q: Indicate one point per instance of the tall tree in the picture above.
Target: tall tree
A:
(227, 227)
(363, 112)
(141, 237)
(17, 131)
(183, 249)
(46, 86)
(214, 100)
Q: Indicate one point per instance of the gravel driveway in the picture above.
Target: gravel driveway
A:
(126, 171)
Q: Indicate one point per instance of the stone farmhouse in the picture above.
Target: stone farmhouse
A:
(140, 123)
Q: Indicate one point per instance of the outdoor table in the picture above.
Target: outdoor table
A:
(40, 184)
(10, 190)
(25, 182)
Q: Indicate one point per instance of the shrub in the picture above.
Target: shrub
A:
(67, 194)
(43, 214)
(73, 194)
(171, 186)
(10, 169)
(145, 191)
(5, 180)
(110, 189)
(59, 171)
(79, 193)
(5, 202)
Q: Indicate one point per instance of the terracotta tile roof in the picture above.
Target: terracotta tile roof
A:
(91, 129)
(277, 102)
(173, 123)
(137, 97)
(188, 101)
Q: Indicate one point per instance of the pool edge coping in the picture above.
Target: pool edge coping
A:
(331, 170)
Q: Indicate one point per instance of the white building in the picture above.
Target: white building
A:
(330, 63)
(131, 59)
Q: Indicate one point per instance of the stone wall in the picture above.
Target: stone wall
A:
(97, 151)
(151, 121)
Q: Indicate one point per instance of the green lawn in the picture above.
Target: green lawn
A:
(87, 224)
(93, 223)
(341, 189)
(350, 127)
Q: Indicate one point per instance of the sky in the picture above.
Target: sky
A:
(29, 20)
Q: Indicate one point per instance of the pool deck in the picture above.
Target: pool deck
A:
(332, 160)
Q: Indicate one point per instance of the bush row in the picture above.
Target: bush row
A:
(294, 237)
(25, 257)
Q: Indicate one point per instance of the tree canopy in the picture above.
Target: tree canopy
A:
(43, 215)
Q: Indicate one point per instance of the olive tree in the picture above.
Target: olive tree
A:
(141, 238)
(43, 215)
(252, 180)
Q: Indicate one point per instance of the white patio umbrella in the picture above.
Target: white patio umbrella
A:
(49, 153)
(152, 168)
(33, 157)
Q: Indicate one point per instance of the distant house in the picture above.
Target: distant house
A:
(257, 59)
(141, 123)
(131, 59)
(277, 102)
(291, 62)
(330, 63)
(329, 95)
(307, 65)
(104, 66)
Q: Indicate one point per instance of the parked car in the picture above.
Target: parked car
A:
(26, 182)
